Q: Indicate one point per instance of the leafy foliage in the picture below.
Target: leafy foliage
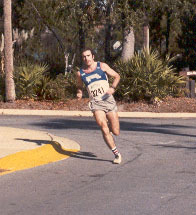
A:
(62, 87)
(62, 26)
(68, 18)
(33, 81)
(147, 77)
(64, 20)
(42, 90)
(27, 77)
(187, 39)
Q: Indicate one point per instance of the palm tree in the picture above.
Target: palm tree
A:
(128, 44)
(146, 35)
(9, 80)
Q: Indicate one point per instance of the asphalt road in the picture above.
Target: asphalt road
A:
(157, 176)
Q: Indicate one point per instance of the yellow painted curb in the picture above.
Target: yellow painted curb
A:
(36, 157)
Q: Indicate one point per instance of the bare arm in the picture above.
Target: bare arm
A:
(113, 74)
(79, 85)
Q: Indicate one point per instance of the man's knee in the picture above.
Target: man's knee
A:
(116, 132)
(104, 128)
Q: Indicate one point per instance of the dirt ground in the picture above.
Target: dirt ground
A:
(168, 105)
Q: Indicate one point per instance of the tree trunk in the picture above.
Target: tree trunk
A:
(81, 39)
(9, 80)
(146, 38)
(168, 31)
(108, 42)
(128, 44)
(108, 32)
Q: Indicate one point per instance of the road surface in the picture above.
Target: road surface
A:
(157, 176)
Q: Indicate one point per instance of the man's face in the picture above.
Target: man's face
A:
(88, 58)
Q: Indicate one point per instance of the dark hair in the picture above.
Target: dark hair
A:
(88, 49)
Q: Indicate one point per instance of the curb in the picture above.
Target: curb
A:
(17, 153)
(156, 115)
(25, 112)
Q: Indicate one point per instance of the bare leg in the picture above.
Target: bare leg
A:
(113, 122)
(101, 120)
(112, 117)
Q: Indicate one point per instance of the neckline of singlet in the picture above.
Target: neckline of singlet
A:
(97, 67)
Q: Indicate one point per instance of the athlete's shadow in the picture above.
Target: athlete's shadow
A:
(58, 148)
(81, 155)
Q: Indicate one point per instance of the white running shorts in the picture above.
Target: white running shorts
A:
(106, 105)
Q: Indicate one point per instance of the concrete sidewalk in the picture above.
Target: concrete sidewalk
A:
(14, 140)
(22, 149)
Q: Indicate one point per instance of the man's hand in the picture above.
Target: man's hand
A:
(110, 91)
(79, 94)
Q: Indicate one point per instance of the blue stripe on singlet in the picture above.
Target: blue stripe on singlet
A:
(97, 75)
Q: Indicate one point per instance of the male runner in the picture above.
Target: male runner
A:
(102, 104)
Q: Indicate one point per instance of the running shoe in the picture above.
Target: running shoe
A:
(117, 159)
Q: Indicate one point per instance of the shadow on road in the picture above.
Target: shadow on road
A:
(88, 124)
(80, 155)
(58, 148)
(175, 146)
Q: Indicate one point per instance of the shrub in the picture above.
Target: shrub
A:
(33, 81)
(27, 78)
(42, 89)
(56, 90)
(63, 87)
(147, 77)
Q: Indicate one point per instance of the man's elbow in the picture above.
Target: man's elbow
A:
(118, 76)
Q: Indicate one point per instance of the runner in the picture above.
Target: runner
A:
(102, 104)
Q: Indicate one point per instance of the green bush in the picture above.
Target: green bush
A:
(147, 77)
(42, 89)
(63, 87)
(71, 85)
(28, 77)
(33, 81)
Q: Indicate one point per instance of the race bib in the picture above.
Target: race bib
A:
(98, 91)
